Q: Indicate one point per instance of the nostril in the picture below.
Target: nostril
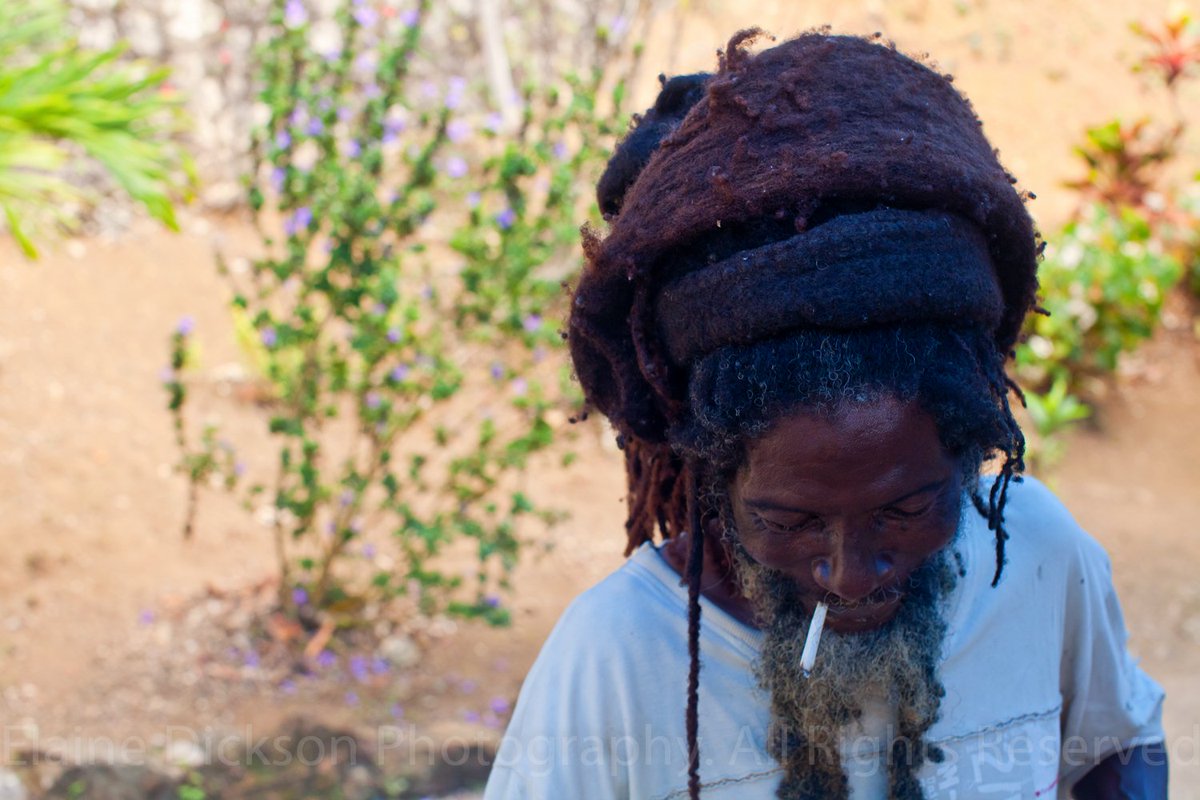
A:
(885, 563)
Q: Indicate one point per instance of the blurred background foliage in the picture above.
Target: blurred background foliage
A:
(65, 111)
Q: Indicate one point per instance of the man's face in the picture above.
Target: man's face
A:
(848, 505)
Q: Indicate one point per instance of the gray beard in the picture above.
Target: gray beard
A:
(895, 664)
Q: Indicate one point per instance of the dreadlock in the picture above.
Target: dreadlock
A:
(822, 222)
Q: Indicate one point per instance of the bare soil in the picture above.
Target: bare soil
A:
(109, 620)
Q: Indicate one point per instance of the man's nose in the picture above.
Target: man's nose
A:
(852, 570)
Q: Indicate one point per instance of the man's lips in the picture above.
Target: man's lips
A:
(863, 616)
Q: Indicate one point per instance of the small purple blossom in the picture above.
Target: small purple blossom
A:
(145, 617)
(372, 91)
(380, 666)
(497, 370)
(295, 14)
(346, 498)
(315, 127)
(532, 323)
(287, 686)
(397, 711)
(490, 720)
(410, 18)
(356, 525)
(473, 200)
(298, 115)
(471, 716)
(427, 292)
(560, 151)
(491, 601)
(392, 129)
(283, 140)
(373, 400)
(239, 468)
(399, 372)
(499, 706)
(520, 387)
(268, 336)
(365, 63)
(458, 130)
(365, 15)
(186, 325)
(344, 113)
(393, 335)
(454, 94)
(493, 122)
(351, 698)
(326, 659)
(456, 167)
(250, 659)
(506, 218)
(368, 550)
(278, 179)
(352, 149)
(299, 221)
(299, 596)
(358, 668)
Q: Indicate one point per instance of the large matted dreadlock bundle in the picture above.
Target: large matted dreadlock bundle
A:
(826, 184)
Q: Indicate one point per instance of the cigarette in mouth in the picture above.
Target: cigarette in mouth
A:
(808, 656)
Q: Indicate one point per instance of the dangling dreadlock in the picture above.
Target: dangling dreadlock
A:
(822, 220)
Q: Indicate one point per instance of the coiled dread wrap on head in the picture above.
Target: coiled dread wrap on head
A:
(826, 190)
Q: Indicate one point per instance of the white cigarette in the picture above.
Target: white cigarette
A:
(808, 656)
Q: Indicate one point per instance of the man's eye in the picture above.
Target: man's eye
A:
(791, 526)
(910, 512)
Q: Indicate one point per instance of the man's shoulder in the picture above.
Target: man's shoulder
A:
(1039, 524)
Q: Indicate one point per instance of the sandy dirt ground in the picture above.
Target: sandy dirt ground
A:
(90, 508)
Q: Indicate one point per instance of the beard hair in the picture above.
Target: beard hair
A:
(895, 664)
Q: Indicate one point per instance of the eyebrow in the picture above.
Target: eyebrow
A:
(770, 505)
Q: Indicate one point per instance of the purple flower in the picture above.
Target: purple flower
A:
(493, 122)
(287, 686)
(497, 370)
(532, 323)
(372, 90)
(456, 167)
(358, 668)
(490, 720)
(393, 335)
(268, 336)
(299, 596)
(344, 113)
(326, 659)
(346, 498)
(397, 710)
(186, 325)
(471, 716)
(365, 15)
(560, 151)
(278, 179)
(295, 14)
(250, 659)
(239, 468)
(145, 617)
(473, 200)
(491, 601)
(315, 127)
(380, 666)
(427, 292)
(353, 149)
(373, 400)
(399, 372)
(299, 221)
(506, 218)
(351, 698)
(454, 95)
(365, 63)
(519, 387)
(458, 130)
(499, 706)
(392, 129)
(368, 550)
(410, 18)
(619, 25)
(283, 140)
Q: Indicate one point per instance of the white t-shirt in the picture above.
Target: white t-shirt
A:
(1039, 685)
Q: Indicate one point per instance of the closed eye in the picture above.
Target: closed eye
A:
(898, 512)
(776, 527)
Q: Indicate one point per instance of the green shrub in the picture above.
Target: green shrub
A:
(415, 252)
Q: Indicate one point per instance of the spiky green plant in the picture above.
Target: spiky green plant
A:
(60, 103)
